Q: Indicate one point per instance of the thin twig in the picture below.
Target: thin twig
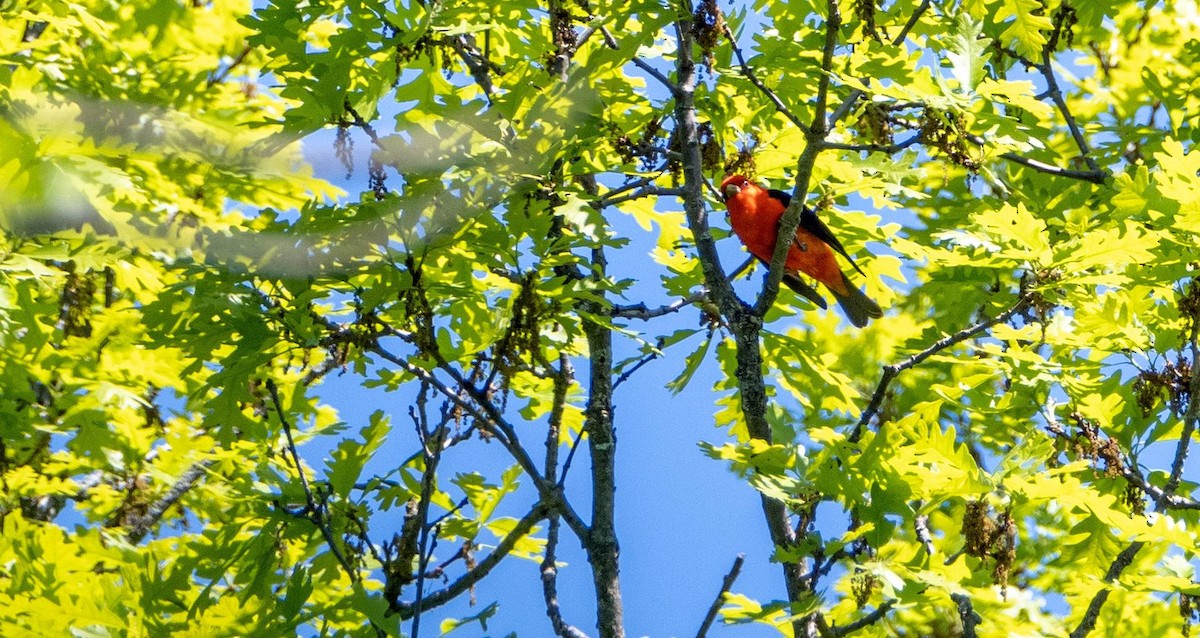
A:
(640, 63)
(726, 584)
(1093, 176)
(488, 416)
(852, 99)
(482, 569)
(316, 512)
(749, 74)
(221, 74)
(873, 148)
(891, 371)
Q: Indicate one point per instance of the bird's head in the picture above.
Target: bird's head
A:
(733, 185)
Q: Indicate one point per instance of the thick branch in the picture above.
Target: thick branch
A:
(744, 323)
(966, 614)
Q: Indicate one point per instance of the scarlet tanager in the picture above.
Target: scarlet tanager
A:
(754, 214)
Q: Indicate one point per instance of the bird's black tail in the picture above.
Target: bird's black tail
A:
(858, 307)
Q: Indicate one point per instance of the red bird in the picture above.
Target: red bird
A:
(754, 214)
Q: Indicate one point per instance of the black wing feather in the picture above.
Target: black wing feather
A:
(812, 223)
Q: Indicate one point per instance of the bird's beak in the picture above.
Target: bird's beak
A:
(731, 190)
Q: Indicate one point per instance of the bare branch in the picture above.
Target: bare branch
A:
(862, 623)
(726, 584)
(1056, 95)
(921, 525)
(640, 311)
(1093, 176)
(488, 416)
(874, 148)
(479, 66)
(550, 586)
(648, 191)
(891, 371)
(641, 64)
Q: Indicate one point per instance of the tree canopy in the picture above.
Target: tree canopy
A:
(534, 220)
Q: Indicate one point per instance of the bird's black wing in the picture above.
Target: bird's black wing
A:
(813, 224)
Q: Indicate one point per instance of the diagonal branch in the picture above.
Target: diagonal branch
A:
(611, 42)
(852, 99)
(726, 583)
(749, 73)
(1123, 560)
(1093, 176)
(482, 569)
(315, 511)
(891, 371)
(487, 416)
(154, 514)
(1059, 101)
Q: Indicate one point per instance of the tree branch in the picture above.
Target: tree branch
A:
(1056, 95)
(488, 417)
(316, 511)
(858, 625)
(749, 74)
(550, 586)
(852, 99)
(1092, 176)
(815, 140)
(482, 569)
(891, 371)
(966, 614)
(154, 514)
(641, 64)
(715, 608)
(1191, 419)
(742, 321)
